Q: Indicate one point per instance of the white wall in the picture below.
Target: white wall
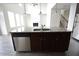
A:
(71, 16)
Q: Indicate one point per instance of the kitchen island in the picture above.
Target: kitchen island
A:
(56, 39)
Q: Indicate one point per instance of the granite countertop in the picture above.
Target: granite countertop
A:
(32, 30)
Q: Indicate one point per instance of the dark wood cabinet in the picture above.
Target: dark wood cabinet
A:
(36, 42)
(56, 39)
(50, 41)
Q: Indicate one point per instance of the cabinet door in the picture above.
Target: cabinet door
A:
(36, 41)
(45, 44)
(62, 41)
(51, 42)
(35, 44)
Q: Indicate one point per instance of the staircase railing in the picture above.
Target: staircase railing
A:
(63, 21)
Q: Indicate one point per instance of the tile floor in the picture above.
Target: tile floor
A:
(6, 49)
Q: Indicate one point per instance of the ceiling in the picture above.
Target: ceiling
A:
(18, 8)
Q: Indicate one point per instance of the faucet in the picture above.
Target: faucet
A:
(42, 27)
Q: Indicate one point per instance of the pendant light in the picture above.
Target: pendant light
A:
(34, 4)
(24, 9)
(40, 9)
(56, 7)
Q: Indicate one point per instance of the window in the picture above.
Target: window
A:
(11, 19)
(22, 20)
(18, 20)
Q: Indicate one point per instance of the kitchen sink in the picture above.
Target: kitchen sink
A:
(45, 29)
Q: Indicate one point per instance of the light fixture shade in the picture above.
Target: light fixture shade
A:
(34, 4)
(56, 7)
(40, 9)
(40, 12)
(24, 9)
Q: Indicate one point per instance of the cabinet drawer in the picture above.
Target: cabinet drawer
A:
(20, 34)
(51, 36)
(36, 35)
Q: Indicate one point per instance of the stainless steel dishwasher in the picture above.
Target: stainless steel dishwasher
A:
(22, 43)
